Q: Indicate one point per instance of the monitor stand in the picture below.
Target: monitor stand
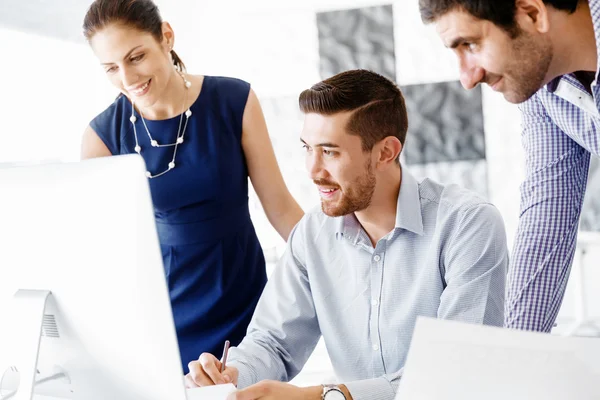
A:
(25, 332)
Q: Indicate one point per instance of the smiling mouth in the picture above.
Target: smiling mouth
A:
(495, 85)
(141, 90)
(328, 192)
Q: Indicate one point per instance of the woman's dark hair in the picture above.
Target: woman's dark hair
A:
(142, 15)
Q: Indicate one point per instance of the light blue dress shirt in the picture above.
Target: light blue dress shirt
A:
(446, 257)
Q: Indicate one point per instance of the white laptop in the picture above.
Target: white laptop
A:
(452, 360)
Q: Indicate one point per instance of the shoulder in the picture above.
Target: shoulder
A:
(111, 123)
(456, 206)
(228, 96)
(227, 87)
(546, 104)
(111, 115)
(314, 225)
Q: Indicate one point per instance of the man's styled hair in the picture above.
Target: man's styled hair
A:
(500, 12)
(377, 105)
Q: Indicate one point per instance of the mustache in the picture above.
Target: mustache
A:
(324, 182)
(490, 79)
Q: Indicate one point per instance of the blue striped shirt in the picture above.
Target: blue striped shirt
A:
(446, 257)
(561, 126)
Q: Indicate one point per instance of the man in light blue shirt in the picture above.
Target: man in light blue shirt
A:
(382, 250)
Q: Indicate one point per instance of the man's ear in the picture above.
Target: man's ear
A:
(532, 15)
(388, 151)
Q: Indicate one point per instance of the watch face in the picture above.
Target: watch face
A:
(334, 395)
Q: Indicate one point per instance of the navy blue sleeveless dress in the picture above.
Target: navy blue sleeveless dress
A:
(214, 265)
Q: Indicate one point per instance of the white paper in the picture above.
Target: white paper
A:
(217, 392)
(452, 360)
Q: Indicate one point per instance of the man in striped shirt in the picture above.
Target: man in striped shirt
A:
(544, 55)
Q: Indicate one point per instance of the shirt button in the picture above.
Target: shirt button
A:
(375, 347)
(377, 258)
(374, 302)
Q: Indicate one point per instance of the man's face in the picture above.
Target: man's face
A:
(337, 164)
(516, 65)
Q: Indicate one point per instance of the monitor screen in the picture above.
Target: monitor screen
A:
(85, 232)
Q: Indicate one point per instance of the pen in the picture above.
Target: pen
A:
(225, 351)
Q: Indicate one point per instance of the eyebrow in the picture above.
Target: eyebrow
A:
(327, 144)
(126, 55)
(460, 40)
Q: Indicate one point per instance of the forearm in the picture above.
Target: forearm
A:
(284, 215)
(545, 244)
(551, 200)
(538, 278)
(256, 362)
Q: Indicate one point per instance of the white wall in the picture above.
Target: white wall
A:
(51, 89)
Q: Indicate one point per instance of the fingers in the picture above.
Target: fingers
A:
(189, 382)
(205, 371)
(212, 368)
(254, 392)
(230, 375)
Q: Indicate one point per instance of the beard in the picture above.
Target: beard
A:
(354, 198)
(526, 73)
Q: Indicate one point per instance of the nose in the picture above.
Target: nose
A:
(128, 76)
(314, 166)
(470, 74)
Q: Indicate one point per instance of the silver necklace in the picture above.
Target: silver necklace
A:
(153, 142)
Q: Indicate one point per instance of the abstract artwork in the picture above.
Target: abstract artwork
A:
(445, 123)
(446, 138)
(358, 38)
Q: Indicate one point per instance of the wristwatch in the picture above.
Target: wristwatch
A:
(332, 392)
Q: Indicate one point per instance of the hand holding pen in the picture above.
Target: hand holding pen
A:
(208, 370)
(224, 358)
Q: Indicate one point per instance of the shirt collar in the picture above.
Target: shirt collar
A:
(408, 211)
(553, 84)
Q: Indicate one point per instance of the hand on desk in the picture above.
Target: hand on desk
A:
(271, 390)
(207, 372)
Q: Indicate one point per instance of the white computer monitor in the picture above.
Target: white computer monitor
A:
(85, 232)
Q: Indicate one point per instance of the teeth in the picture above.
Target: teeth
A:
(140, 90)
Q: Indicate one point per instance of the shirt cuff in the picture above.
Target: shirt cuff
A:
(246, 375)
(371, 389)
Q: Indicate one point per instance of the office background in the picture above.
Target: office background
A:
(52, 86)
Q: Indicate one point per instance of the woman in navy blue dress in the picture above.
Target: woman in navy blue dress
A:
(201, 138)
